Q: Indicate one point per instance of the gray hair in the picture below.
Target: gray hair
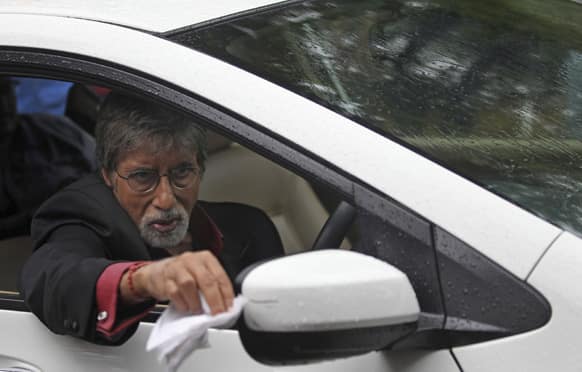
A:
(126, 122)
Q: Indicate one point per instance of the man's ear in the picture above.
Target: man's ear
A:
(106, 177)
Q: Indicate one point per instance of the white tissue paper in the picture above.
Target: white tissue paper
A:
(177, 335)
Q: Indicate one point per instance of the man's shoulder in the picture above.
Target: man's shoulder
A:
(90, 182)
(86, 195)
(87, 202)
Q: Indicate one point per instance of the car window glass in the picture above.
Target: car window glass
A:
(492, 91)
(377, 237)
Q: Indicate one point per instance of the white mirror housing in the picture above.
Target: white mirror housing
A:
(327, 290)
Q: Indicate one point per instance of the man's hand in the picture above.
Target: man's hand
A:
(180, 279)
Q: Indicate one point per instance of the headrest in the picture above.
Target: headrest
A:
(216, 142)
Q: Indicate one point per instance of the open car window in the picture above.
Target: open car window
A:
(298, 207)
(47, 149)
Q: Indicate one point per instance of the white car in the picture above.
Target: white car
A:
(443, 138)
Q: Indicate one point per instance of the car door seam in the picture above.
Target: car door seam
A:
(456, 360)
(543, 255)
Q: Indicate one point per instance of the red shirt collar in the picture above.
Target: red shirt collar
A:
(204, 231)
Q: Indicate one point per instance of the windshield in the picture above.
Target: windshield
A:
(491, 90)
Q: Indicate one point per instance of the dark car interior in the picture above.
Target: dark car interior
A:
(44, 152)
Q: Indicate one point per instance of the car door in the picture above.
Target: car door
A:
(63, 52)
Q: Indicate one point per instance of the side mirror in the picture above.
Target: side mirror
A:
(323, 305)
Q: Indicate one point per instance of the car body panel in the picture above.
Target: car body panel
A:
(23, 333)
(64, 353)
(554, 347)
(153, 16)
(505, 233)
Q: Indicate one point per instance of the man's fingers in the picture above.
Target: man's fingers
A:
(176, 296)
(194, 274)
(221, 278)
(224, 285)
(208, 285)
(189, 291)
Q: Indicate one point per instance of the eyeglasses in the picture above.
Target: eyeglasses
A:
(146, 180)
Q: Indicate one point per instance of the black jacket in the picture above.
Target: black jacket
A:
(82, 229)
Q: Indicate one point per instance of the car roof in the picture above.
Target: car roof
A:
(148, 15)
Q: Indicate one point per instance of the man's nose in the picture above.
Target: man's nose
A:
(164, 194)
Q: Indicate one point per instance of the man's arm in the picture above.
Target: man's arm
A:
(114, 316)
(58, 281)
(126, 291)
(180, 279)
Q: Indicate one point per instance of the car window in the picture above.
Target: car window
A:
(492, 91)
(298, 206)
(44, 152)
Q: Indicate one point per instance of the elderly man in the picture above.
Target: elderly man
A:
(112, 244)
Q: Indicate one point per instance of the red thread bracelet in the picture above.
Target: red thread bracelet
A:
(132, 269)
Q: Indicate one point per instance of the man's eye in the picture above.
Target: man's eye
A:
(142, 176)
(182, 172)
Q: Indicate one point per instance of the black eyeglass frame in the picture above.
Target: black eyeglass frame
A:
(155, 184)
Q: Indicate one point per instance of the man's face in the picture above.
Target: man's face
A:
(163, 213)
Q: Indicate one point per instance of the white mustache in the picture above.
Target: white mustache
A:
(178, 214)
